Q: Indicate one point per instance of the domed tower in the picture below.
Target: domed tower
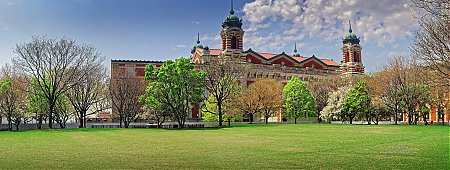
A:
(232, 34)
(351, 54)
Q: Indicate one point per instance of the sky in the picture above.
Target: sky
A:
(167, 29)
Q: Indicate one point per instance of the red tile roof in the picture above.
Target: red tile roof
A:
(270, 55)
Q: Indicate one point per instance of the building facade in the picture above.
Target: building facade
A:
(279, 66)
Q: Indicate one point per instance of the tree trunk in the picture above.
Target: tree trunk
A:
(295, 120)
(251, 118)
(424, 117)
(17, 126)
(229, 122)
(219, 108)
(267, 118)
(441, 114)
(50, 116)
(395, 115)
(9, 122)
(409, 117)
(126, 123)
(40, 119)
(120, 121)
(81, 119)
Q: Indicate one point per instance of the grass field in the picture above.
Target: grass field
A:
(311, 146)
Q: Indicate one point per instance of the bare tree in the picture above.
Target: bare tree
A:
(54, 66)
(431, 44)
(436, 8)
(125, 92)
(91, 92)
(221, 77)
(438, 93)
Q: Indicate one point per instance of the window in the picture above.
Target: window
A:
(234, 42)
(130, 71)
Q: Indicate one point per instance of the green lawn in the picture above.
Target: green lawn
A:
(311, 146)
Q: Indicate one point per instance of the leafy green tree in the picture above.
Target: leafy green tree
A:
(176, 84)
(379, 112)
(6, 105)
(37, 105)
(357, 102)
(155, 110)
(298, 100)
(3, 84)
(210, 113)
(221, 78)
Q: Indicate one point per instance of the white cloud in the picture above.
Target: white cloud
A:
(381, 21)
(211, 40)
(180, 46)
(196, 22)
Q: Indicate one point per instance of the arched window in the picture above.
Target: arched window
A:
(346, 55)
(234, 42)
(355, 56)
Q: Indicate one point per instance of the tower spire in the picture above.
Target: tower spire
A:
(198, 38)
(295, 47)
(231, 11)
(350, 23)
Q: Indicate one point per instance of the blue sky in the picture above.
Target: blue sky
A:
(167, 29)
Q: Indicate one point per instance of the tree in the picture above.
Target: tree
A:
(438, 93)
(37, 105)
(55, 66)
(221, 81)
(321, 90)
(378, 110)
(155, 109)
(431, 44)
(385, 85)
(63, 111)
(125, 92)
(413, 95)
(334, 104)
(176, 84)
(356, 103)
(298, 100)
(425, 111)
(209, 109)
(13, 97)
(248, 102)
(3, 85)
(268, 93)
(90, 96)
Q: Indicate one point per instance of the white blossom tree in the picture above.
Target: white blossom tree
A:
(334, 103)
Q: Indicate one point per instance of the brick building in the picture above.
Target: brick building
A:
(279, 66)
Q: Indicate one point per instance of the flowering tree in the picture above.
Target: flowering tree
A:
(334, 104)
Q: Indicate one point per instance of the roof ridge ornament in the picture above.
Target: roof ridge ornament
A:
(198, 38)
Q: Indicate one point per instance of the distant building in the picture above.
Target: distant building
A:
(280, 66)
